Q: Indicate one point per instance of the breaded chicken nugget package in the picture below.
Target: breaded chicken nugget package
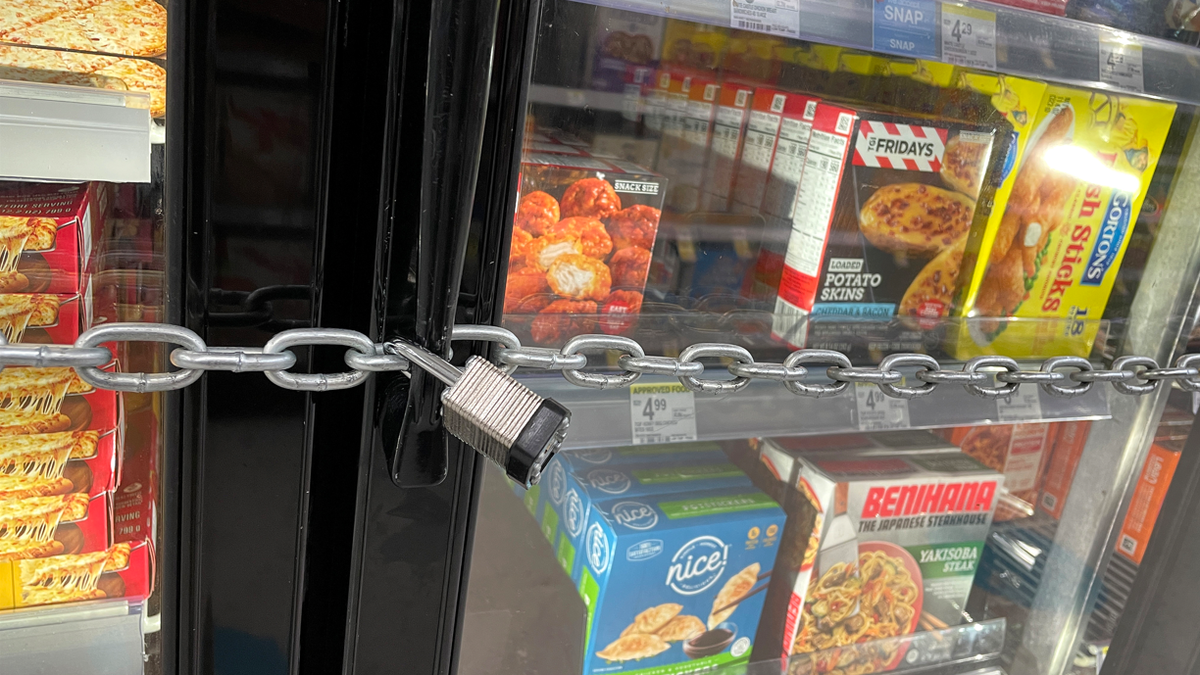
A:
(1053, 252)
(581, 242)
(883, 212)
(673, 582)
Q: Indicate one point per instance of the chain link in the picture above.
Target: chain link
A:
(990, 377)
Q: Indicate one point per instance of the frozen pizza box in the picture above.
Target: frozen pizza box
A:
(123, 570)
(580, 251)
(66, 461)
(42, 526)
(883, 213)
(552, 494)
(586, 486)
(915, 522)
(1053, 256)
(47, 235)
(672, 582)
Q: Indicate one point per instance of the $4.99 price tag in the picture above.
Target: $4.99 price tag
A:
(877, 410)
(662, 413)
(1121, 63)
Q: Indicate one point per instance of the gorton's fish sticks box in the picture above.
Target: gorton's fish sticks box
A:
(1054, 254)
(670, 580)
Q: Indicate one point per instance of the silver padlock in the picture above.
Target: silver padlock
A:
(493, 413)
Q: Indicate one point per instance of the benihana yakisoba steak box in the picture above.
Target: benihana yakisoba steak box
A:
(895, 547)
(883, 212)
(581, 242)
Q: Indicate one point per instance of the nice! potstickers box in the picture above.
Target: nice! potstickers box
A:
(670, 579)
(897, 540)
(1052, 257)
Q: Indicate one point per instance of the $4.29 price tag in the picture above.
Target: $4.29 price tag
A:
(877, 410)
(1121, 64)
(662, 413)
(968, 37)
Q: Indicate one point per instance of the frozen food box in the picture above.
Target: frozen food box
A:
(122, 570)
(621, 40)
(581, 242)
(554, 483)
(758, 149)
(778, 203)
(1069, 440)
(41, 318)
(53, 463)
(681, 157)
(1019, 451)
(883, 211)
(587, 486)
(47, 231)
(672, 582)
(44, 400)
(43, 525)
(917, 520)
(1054, 254)
(1148, 495)
(728, 136)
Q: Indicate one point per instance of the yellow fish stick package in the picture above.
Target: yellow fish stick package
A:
(1052, 249)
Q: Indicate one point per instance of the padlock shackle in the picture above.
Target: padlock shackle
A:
(421, 358)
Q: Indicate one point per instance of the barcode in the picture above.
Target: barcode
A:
(1049, 501)
(1128, 544)
(650, 439)
(843, 123)
(751, 25)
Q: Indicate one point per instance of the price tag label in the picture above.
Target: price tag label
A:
(1025, 404)
(1121, 64)
(777, 17)
(969, 37)
(662, 413)
(877, 410)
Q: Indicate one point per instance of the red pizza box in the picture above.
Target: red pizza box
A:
(95, 408)
(728, 136)
(135, 500)
(758, 150)
(50, 249)
(74, 533)
(41, 318)
(136, 577)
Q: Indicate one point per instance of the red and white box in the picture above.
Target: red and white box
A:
(48, 231)
(725, 151)
(1019, 451)
(758, 151)
(1148, 495)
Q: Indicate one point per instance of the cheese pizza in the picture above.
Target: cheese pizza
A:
(18, 311)
(67, 578)
(125, 27)
(74, 68)
(24, 487)
(27, 525)
(39, 390)
(31, 422)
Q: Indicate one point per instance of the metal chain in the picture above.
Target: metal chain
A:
(1061, 376)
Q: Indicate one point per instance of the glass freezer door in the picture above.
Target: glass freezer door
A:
(867, 274)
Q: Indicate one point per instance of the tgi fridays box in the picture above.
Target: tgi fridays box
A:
(588, 486)
(758, 150)
(555, 479)
(47, 231)
(779, 196)
(1054, 255)
(1148, 495)
(883, 211)
(728, 136)
(898, 537)
(1069, 441)
(1019, 451)
(670, 580)
(581, 243)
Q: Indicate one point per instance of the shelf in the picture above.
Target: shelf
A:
(601, 418)
(93, 638)
(67, 133)
(1027, 43)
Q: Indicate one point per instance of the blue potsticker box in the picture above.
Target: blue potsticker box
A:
(554, 478)
(673, 582)
(588, 484)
